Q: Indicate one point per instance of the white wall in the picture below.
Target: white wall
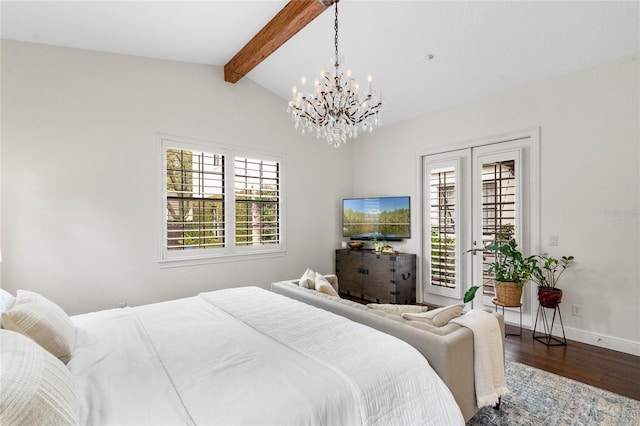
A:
(590, 137)
(80, 175)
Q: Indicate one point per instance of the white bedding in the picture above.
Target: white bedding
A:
(248, 356)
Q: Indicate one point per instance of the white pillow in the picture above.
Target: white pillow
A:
(7, 300)
(43, 321)
(397, 309)
(308, 279)
(37, 388)
(324, 286)
(438, 317)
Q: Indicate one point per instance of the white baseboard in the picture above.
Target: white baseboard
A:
(588, 337)
(600, 340)
(603, 341)
(582, 336)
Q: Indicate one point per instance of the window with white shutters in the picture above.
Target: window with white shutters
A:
(219, 202)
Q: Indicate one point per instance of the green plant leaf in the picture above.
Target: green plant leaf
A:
(470, 294)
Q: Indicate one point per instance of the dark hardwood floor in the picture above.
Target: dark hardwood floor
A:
(603, 368)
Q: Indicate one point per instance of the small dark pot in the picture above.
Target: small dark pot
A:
(549, 297)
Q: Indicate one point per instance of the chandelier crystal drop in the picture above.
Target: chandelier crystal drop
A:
(335, 111)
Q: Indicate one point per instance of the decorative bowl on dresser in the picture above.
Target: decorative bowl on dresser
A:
(356, 245)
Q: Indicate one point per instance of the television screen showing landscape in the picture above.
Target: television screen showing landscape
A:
(381, 218)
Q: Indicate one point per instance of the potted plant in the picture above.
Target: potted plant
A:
(547, 275)
(377, 244)
(512, 271)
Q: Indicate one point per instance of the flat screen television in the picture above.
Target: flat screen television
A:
(384, 218)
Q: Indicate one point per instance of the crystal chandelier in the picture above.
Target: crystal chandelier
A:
(335, 111)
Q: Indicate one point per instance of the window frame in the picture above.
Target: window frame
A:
(230, 251)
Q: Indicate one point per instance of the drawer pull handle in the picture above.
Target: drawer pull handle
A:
(406, 276)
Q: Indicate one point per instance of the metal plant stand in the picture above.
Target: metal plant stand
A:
(519, 306)
(545, 335)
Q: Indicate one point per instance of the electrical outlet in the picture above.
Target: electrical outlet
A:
(576, 310)
(553, 240)
(122, 304)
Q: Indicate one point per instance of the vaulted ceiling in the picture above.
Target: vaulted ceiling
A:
(479, 48)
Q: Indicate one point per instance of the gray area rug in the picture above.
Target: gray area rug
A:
(540, 398)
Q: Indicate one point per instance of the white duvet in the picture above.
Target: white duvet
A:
(247, 356)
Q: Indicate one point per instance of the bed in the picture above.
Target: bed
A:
(247, 356)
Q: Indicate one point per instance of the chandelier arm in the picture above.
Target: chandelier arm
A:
(318, 118)
(366, 114)
(354, 107)
(369, 113)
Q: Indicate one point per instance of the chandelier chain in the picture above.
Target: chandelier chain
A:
(335, 28)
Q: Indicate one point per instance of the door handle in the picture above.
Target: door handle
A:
(475, 250)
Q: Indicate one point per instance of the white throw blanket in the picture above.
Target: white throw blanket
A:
(488, 361)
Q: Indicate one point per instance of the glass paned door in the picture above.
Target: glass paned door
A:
(472, 198)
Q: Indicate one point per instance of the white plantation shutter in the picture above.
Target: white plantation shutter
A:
(257, 201)
(195, 199)
(443, 227)
(498, 211)
(444, 198)
(498, 184)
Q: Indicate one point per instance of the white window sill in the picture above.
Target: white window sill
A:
(232, 257)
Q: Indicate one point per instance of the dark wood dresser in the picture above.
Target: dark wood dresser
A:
(375, 277)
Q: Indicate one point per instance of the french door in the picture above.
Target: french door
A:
(473, 197)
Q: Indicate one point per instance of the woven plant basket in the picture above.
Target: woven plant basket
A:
(508, 294)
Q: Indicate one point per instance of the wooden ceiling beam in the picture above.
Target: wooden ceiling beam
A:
(292, 18)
